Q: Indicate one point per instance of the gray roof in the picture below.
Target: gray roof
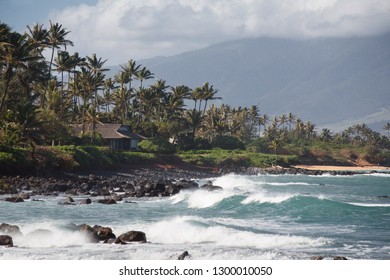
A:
(108, 131)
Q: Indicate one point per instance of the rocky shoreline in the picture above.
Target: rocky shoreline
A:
(145, 182)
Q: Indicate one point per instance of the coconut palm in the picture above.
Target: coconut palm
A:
(57, 38)
(109, 87)
(387, 128)
(63, 63)
(131, 69)
(144, 74)
(15, 53)
(194, 121)
(208, 93)
(38, 37)
(95, 65)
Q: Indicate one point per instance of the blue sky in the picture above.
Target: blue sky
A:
(20, 13)
(118, 30)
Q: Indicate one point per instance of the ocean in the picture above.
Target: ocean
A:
(267, 217)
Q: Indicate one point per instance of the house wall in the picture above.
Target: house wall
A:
(123, 144)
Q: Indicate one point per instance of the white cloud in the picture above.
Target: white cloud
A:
(123, 29)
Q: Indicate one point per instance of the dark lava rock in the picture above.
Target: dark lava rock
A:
(131, 236)
(6, 240)
(107, 201)
(14, 199)
(12, 230)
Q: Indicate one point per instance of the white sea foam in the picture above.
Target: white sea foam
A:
(370, 204)
(290, 184)
(192, 230)
(261, 197)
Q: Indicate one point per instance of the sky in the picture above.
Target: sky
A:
(119, 30)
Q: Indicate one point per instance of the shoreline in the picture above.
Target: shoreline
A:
(343, 168)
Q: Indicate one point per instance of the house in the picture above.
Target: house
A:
(117, 136)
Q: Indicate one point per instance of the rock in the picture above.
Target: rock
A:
(210, 187)
(89, 232)
(103, 233)
(317, 258)
(24, 196)
(68, 201)
(14, 199)
(12, 230)
(183, 255)
(6, 240)
(131, 236)
(340, 258)
(187, 185)
(107, 201)
(56, 187)
(85, 201)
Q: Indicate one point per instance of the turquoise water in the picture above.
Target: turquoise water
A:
(254, 217)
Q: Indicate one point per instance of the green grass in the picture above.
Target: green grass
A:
(47, 159)
(235, 158)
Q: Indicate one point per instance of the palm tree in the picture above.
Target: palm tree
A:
(387, 128)
(38, 37)
(194, 120)
(64, 63)
(208, 93)
(109, 87)
(56, 39)
(159, 92)
(325, 135)
(143, 74)
(131, 70)
(291, 119)
(197, 95)
(15, 53)
(95, 65)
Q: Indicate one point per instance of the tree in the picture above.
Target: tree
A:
(387, 128)
(194, 120)
(144, 74)
(64, 63)
(131, 70)
(57, 38)
(15, 53)
(95, 65)
(208, 93)
(38, 37)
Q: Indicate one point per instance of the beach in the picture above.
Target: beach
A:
(361, 168)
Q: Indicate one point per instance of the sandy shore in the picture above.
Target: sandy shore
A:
(343, 168)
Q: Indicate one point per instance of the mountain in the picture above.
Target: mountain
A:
(327, 80)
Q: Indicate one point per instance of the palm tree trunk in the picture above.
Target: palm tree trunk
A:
(5, 93)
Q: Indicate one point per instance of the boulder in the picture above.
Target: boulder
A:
(68, 201)
(24, 195)
(187, 185)
(85, 201)
(131, 236)
(6, 240)
(340, 258)
(103, 233)
(107, 201)
(89, 232)
(183, 255)
(56, 187)
(12, 230)
(210, 187)
(14, 199)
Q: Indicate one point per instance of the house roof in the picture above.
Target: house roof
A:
(108, 131)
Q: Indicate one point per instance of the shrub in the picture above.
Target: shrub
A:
(158, 146)
(227, 142)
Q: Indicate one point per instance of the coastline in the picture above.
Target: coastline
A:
(362, 168)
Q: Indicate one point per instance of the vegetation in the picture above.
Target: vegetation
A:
(41, 98)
